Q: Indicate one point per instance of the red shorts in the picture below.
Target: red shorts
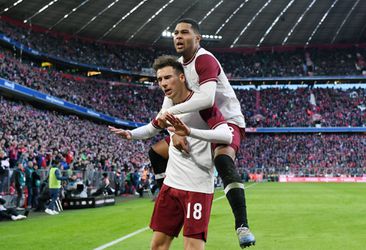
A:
(175, 208)
(238, 135)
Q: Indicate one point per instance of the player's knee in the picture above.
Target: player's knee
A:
(160, 241)
(158, 246)
(158, 162)
(192, 243)
(226, 169)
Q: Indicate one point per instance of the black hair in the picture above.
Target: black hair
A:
(166, 61)
(192, 22)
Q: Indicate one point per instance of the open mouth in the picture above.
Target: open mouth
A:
(168, 92)
(179, 45)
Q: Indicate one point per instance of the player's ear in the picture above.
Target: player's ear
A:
(198, 38)
(182, 77)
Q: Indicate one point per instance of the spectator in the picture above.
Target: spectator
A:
(36, 184)
(28, 182)
(19, 182)
(4, 171)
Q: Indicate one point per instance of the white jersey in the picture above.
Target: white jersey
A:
(194, 172)
(204, 67)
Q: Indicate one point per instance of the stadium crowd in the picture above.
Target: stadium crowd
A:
(28, 134)
(304, 154)
(126, 102)
(329, 107)
(312, 61)
(272, 107)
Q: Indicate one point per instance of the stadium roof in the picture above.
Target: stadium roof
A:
(244, 23)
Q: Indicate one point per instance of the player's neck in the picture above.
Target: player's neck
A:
(182, 97)
(188, 55)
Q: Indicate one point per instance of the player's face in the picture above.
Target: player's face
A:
(171, 83)
(186, 41)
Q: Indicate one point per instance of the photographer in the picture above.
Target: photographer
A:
(105, 187)
(9, 213)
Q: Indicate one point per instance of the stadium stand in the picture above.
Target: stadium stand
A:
(295, 62)
(26, 130)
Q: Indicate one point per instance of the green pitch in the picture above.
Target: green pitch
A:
(281, 215)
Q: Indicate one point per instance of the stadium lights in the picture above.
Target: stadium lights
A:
(123, 18)
(274, 22)
(150, 19)
(99, 14)
(209, 13)
(250, 22)
(344, 20)
(68, 14)
(40, 11)
(13, 5)
(169, 34)
(228, 19)
(298, 21)
(320, 23)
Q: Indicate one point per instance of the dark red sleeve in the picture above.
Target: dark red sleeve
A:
(207, 68)
(155, 123)
(212, 116)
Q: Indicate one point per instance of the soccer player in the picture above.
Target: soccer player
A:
(207, 79)
(185, 198)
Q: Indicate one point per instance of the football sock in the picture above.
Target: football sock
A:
(234, 188)
(158, 164)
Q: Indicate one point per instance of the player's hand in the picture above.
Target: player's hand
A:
(178, 126)
(125, 134)
(162, 121)
(180, 143)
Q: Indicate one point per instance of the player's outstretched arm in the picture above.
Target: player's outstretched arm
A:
(144, 132)
(125, 134)
(220, 134)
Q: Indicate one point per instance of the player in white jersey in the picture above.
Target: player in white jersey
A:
(185, 198)
(206, 77)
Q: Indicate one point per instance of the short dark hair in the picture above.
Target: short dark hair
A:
(166, 61)
(55, 162)
(192, 22)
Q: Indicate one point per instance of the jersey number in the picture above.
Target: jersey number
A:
(197, 211)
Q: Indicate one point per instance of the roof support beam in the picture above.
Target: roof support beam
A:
(344, 20)
(298, 21)
(68, 14)
(150, 19)
(122, 18)
(274, 22)
(231, 16)
(250, 22)
(320, 23)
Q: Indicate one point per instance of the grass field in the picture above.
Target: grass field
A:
(282, 216)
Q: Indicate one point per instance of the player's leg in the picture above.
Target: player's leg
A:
(166, 220)
(161, 241)
(193, 244)
(158, 155)
(197, 211)
(234, 188)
